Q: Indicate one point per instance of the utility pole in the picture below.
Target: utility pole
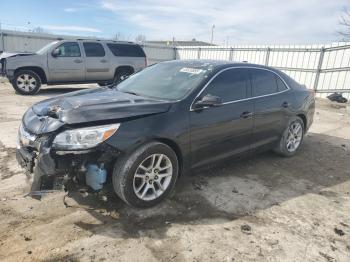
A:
(212, 34)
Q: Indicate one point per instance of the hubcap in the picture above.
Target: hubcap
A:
(295, 134)
(26, 82)
(152, 177)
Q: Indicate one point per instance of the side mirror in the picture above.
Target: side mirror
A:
(56, 52)
(208, 101)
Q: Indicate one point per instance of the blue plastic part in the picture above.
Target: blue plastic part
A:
(95, 176)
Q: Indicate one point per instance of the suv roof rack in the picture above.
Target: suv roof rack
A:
(91, 39)
(106, 40)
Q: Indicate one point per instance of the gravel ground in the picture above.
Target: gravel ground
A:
(263, 208)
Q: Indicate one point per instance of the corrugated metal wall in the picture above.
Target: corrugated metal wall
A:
(14, 41)
(24, 44)
(158, 53)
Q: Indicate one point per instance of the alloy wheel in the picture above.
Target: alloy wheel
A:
(152, 177)
(26, 82)
(295, 135)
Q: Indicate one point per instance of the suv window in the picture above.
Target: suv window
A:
(229, 85)
(69, 49)
(93, 49)
(264, 82)
(126, 50)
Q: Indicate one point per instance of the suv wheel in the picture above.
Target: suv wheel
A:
(120, 76)
(291, 138)
(146, 176)
(26, 82)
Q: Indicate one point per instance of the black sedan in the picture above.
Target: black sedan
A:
(160, 123)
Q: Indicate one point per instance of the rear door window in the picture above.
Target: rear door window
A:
(264, 82)
(69, 49)
(230, 85)
(126, 50)
(280, 84)
(93, 49)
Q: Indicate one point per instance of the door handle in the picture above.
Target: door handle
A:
(78, 61)
(246, 114)
(103, 61)
(285, 104)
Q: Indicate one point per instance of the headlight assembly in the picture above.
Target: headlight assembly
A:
(84, 138)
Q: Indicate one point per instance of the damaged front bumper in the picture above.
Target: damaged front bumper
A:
(41, 164)
(51, 169)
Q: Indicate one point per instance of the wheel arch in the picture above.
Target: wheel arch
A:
(127, 68)
(38, 70)
(303, 117)
(175, 147)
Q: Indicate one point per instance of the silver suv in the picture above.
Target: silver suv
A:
(80, 61)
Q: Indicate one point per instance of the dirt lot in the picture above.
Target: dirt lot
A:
(264, 208)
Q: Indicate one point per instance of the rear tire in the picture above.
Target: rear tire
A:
(292, 138)
(120, 76)
(141, 179)
(26, 82)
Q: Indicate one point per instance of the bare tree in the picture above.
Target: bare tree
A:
(118, 36)
(345, 23)
(140, 38)
(38, 30)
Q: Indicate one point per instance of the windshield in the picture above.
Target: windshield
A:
(45, 48)
(166, 81)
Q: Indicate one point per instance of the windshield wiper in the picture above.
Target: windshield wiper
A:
(128, 92)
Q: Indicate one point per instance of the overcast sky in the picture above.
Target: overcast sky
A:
(236, 21)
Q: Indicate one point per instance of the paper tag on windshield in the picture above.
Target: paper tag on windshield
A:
(189, 70)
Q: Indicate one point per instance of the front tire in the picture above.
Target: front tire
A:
(26, 82)
(292, 138)
(147, 176)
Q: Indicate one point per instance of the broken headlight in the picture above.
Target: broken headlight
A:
(84, 138)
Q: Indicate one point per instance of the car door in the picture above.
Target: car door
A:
(97, 64)
(66, 64)
(271, 105)
(226, 129)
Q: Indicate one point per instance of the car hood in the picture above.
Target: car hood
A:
(10, 54)
(92, 105)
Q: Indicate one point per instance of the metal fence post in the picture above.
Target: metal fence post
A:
(231, 54)
(199, 53)
(267, 58)
(319, 68)
(2, 42)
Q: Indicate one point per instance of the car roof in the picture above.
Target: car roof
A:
(217, 64)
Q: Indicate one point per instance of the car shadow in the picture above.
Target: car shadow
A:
(228, 190)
